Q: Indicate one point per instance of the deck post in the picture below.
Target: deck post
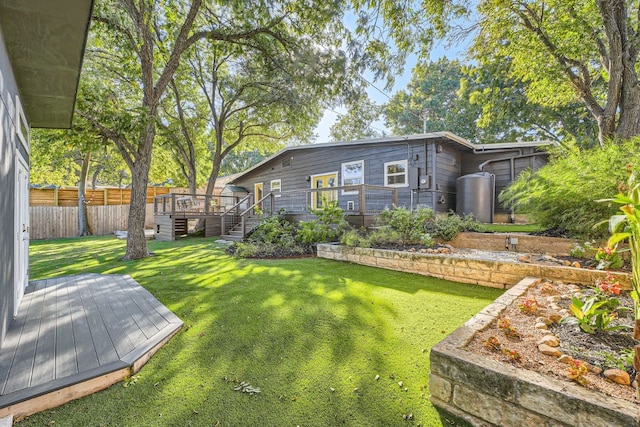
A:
(395, 197)
(363, 199)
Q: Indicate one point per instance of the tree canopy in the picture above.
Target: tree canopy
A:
(569, 51)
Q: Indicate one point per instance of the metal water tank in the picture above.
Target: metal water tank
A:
(475, 195)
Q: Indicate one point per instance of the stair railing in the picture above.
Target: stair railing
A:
(231, 217)
(257, 209)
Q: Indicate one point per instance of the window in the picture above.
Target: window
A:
(276, 186)
(395, 174)
(352, 174)
(286, 163)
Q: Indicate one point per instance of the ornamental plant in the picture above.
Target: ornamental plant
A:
(626, 227)
(577, 371)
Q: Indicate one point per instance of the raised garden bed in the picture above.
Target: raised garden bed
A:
(476, 389)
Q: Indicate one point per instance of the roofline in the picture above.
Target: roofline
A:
(402, 138)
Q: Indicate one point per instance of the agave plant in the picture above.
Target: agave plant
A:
(626, 227)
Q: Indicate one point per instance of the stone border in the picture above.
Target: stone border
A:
(514, 242)
(483, 272)
(472, 389)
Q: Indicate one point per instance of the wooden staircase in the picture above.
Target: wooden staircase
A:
(236, 234)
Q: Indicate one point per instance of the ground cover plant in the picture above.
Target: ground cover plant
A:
(324, 342)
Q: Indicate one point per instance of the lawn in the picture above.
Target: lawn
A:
(312, 334)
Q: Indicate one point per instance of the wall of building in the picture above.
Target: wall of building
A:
(8, 91)
(294, 167)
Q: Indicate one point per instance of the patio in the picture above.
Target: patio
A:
(76, 335)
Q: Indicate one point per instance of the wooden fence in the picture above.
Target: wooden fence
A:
(99, 197)
(51, 222)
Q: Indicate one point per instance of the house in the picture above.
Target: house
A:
(41, 49)
(438, 170)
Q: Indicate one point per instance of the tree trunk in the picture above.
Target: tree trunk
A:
(136, 241)
(629, 120)
(211, 185)
(83, 220)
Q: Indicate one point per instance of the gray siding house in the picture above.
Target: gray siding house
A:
(41, 49)
(423, 170)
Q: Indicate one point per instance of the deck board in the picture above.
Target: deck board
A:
(79, 328)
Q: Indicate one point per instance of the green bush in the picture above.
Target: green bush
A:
(329, 225)
(275, 230)
(355, 238)
(447, 228)
(562, 195)
(408, 224)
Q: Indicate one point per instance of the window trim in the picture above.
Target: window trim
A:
(405, 173)
(279, 188)
(21, 126)
(344, 192)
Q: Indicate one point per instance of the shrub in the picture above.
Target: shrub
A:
(408, 224)
(562, 194)
(355, 238)
(275, 230)
(447, 228)
(329, 225)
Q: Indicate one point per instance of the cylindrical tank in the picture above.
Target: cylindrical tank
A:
(475, 195)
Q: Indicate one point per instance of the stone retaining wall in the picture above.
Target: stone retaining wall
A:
(513, 242)
(470, 389)
(491, 273)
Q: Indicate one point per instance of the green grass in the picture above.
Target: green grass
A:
(512, 228)
(295, 328)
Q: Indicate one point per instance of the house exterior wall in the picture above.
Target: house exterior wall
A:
(8, 92)
(293, 167)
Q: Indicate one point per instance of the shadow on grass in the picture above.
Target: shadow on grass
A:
(312, 334)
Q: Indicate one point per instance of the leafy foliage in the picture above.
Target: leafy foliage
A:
(447, 228)
(329, 225)
(408, 224)
(563, 194)
(626, 226)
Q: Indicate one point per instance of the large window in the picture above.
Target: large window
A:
(395, 174)
(352, 174)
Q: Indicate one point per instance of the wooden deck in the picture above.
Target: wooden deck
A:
(76, 335)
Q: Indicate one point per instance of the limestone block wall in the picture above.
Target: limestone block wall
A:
(472, 389)
(483, 272)
(513, 242)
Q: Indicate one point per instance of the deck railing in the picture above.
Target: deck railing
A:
(192, 204)
(360, 199)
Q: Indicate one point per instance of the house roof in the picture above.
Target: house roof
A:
(442, 136)
(45, 40)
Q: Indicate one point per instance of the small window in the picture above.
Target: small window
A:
(286, 163)
(276, 186)
(352, 174)
(395, 174)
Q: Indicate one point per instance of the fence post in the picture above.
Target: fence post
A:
(363, 199)
(55, 196)
(395, 197)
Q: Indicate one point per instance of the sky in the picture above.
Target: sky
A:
(440, 49)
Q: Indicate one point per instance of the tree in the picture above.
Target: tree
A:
(431, 101)
(505, 112)
(137, 46)
(63, 157)
(358, 122)
(568, 50)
